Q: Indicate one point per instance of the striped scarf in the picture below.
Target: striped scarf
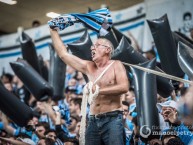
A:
(98, 20)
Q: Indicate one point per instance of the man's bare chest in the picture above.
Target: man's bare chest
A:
(107, 79)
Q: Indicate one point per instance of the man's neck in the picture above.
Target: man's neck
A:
(102, 63)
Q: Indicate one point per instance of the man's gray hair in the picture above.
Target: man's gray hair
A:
(110, 45)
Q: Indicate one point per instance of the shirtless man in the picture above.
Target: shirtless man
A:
(105, 122)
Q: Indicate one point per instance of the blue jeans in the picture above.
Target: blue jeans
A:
(107, 130)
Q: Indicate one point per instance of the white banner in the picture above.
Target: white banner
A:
(126, 20)
(131, 20)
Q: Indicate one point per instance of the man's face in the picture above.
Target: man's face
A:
(99, 49)
(165, 112)
(72, 107)
(51, 135)
(35, 120)
(72, 126)
(187, 19)
(40, 107)
(187, 22)
(79, 76)
(4, 79)
(129, 97)
(72, 82)
(40, 130)
(9, 87)
(125, 111)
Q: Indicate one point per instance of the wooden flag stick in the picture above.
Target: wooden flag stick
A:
(161, 74)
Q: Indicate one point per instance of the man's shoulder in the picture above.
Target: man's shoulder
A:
(118, 62)
(115, 61)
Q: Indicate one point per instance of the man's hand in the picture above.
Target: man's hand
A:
(67, 58)
(58, 118)
(90, 88)
(92, 91)
(173, 116)
(165, 112)
(40, 107)
(173, 95)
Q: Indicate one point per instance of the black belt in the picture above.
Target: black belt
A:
(107, 114)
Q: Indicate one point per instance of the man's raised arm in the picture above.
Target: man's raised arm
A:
(69, 59)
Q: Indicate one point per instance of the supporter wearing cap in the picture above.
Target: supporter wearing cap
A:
(169, 110)
(169, 103)
(167, 107)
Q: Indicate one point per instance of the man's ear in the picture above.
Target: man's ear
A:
(107, 50)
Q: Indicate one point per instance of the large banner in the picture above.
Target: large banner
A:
(179, 12)
(128, 21)
(131, 20)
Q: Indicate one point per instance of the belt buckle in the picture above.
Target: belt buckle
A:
(97, 116)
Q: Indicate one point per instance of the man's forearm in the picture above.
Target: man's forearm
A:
(67, 58)
(57, 42)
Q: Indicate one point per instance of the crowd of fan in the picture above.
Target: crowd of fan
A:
(54, 122)
(58, 122)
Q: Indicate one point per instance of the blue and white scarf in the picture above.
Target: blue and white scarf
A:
(98, 20)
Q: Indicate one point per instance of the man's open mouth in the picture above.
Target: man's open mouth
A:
(93, 54)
